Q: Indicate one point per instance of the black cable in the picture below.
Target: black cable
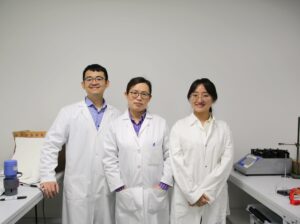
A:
(28, 185)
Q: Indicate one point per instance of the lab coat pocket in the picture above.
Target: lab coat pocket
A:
(129, 200)
(157, 200)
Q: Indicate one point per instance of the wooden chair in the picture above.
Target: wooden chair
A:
(41, 134)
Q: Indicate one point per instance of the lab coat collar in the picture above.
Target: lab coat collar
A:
(86, 113)
(90, 103)
(192, 119)
(126, 116)
(82, 104)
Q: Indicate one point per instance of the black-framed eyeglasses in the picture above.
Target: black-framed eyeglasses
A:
(97, 79)
(136, 94)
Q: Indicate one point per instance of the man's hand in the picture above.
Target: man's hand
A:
(50, 189)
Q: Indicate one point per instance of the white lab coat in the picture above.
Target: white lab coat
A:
(139, 162)
(200, 165)
(86, 197)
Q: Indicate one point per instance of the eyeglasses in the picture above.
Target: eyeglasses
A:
(198, 95)
(136, 94)
(97, 79)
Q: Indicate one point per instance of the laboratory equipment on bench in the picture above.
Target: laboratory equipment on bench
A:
(265, 162)
(295, 196)
(296, 164)
(11, 181)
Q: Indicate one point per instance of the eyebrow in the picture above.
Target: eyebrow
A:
(200, 92)
(143, 91)
(98, 76)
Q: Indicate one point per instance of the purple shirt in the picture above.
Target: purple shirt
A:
(164, 186)
(97, 115)
(137, 126)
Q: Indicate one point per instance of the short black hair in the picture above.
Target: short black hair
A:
(95, 68)
(208, 85)
(138, 80)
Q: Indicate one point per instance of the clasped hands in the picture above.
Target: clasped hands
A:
(203, 200)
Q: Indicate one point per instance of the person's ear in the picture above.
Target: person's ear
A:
(107, 83)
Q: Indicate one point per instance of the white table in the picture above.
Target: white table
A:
(12, 210)
(263, 189)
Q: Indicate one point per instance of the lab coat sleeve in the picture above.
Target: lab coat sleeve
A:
(183, 176)
(167, 177)
(111, 160)
(214, 182)
(56, 136)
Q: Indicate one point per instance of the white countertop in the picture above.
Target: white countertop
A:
(263, 189)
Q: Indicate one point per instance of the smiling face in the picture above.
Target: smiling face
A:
(94, 83)
(138, 98)
(201, 101)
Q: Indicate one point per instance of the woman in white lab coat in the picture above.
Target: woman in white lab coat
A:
(201, 152)
(136, 160)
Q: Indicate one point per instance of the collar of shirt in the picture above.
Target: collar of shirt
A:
(137, 126)
(90, 104)
(208, 121)
(194, 120)
(141, 121)
(96, 114)
(206, 125)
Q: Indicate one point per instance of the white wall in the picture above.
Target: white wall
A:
(249, 49)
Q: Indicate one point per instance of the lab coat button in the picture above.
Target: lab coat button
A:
(139, 166)
(205, 166)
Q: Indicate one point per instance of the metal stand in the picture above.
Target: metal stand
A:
(296, 164)
(296, 168)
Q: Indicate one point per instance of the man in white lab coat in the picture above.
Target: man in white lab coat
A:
(81, 127)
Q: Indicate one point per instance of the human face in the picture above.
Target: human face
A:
(200, 100)
(138, 98)
(94, 83)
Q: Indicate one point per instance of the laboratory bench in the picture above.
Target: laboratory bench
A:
(263, 189)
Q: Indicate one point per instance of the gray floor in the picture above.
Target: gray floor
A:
(40, 221)
(228, 222)
(56, 221)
